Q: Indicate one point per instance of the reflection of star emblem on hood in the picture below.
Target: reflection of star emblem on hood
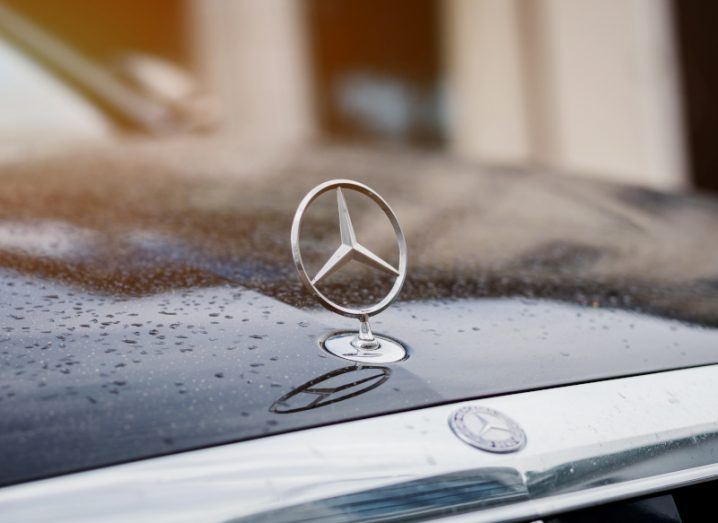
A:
(332, 387)
(350, 248)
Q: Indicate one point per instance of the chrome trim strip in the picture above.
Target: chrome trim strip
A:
(586, 444)
(543, 507)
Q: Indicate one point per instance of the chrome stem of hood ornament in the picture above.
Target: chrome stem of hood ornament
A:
(365, 339)
(364, 345)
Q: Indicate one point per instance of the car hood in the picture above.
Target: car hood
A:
(151, 305)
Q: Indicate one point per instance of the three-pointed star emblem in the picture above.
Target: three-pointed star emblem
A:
(350, 248)
(489, 424)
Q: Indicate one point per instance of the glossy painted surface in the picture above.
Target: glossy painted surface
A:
(149, 309)
(586, 444)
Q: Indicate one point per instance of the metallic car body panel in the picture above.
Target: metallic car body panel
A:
(586, 444)
(150, 304)
(117, 380)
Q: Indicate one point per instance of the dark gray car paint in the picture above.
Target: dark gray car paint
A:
(145, 315)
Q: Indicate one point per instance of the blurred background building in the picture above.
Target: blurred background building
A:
(616, 89)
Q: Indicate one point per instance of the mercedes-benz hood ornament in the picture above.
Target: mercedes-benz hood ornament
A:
(363, 345)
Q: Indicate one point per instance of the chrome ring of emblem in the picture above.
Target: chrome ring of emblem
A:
(490, 430)
(359, 313)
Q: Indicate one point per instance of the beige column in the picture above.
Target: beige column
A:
(485, 80)
(583, 86)
(614, 90)
(253, 57)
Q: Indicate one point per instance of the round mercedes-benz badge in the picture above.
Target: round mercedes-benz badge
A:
(487, 429)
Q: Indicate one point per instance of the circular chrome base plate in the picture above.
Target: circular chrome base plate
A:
(340, 344)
